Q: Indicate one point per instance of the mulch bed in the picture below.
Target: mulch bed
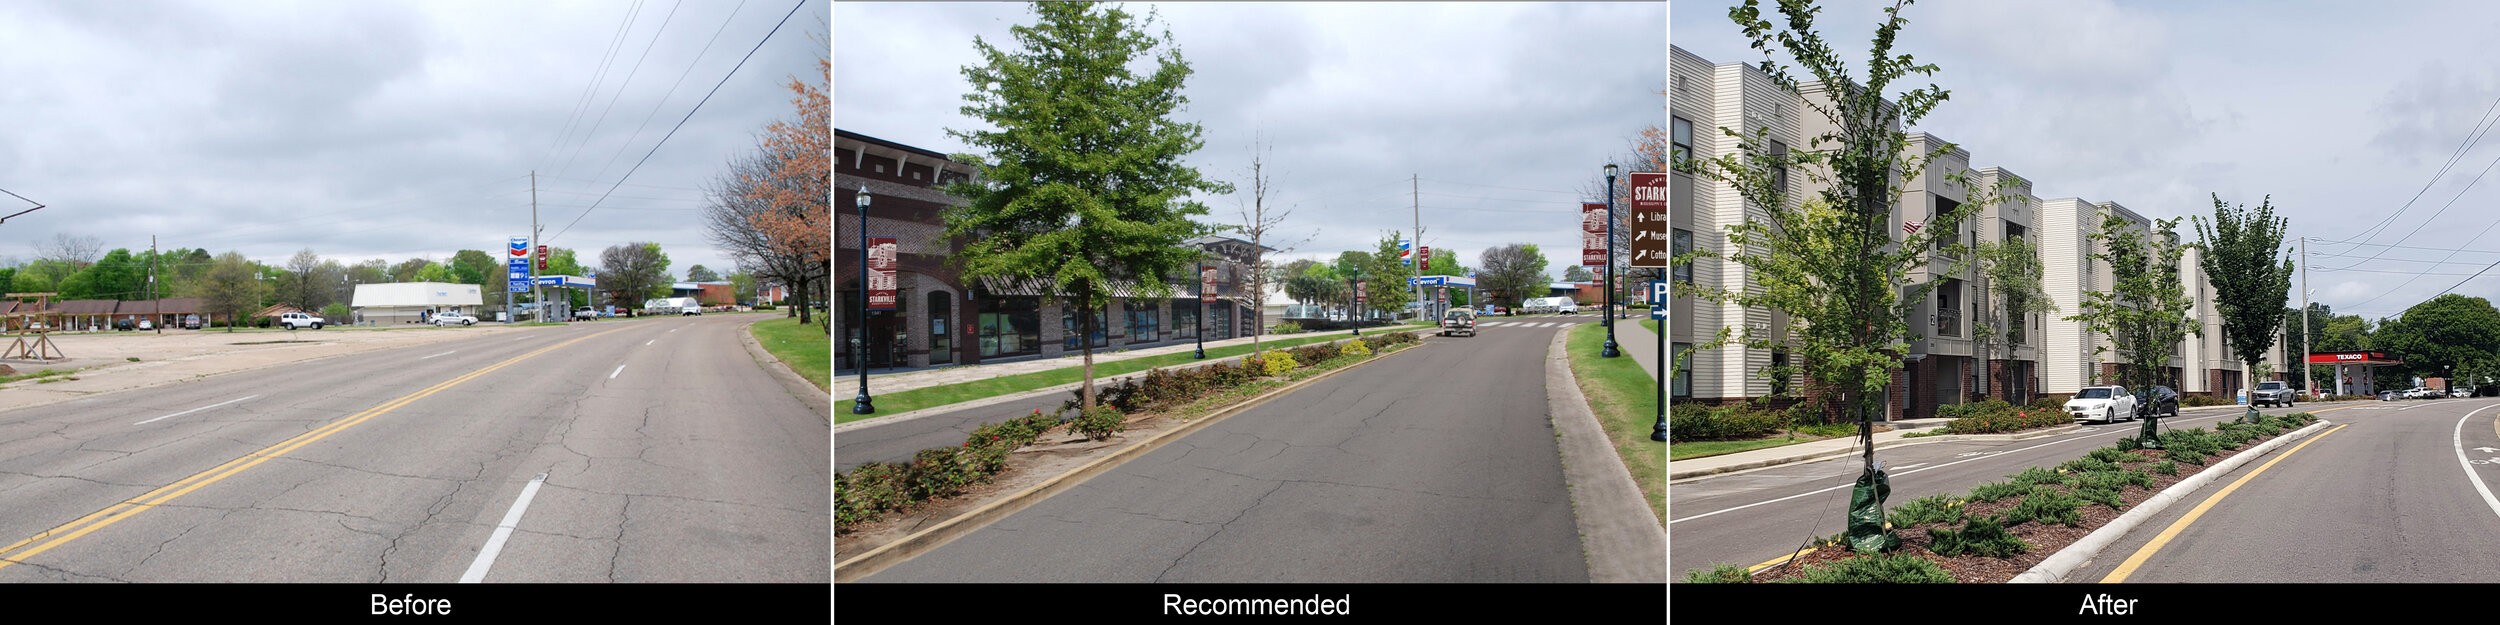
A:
(2046, 538)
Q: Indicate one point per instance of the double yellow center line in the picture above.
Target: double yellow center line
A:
(28, 548)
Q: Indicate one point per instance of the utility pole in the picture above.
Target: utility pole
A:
(1414, 190)
(2305, 329)
(538, 294)
(159, 301)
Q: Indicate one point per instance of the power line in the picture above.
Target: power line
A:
(681, 123)
(672, 88)
(621, 87)
(605, 59)
(2443, 209)
(2482, 126)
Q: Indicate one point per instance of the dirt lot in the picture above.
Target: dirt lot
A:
(105, 362)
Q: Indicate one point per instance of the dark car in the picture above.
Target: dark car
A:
(125, 323)
(2159, 400)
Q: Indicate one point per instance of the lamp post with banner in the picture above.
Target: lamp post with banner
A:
(861, 404)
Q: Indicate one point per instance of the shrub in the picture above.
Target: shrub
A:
(2103, 495)
(2196, 401)
(1694, 422)
(2114, 455)
(1721, 574)
(2086, 465)
(1929, 509)
(2008, 421)
(1099, 423)
(1357, 347)
(2113, 480)
(1899, 568)
(1994, 491)
(1278, 362)
(2128, 443)
(2047, 505)
(868, 490)
(1981, 537)
(2049, 404)
(2036, 476)
(938, 472)
(1826, 430)
(763, 306)
(1288, 328)
(2166, 467)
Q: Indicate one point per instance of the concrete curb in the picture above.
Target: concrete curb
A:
(1672, 475)
(993, 400)
(1623, 540)
(820, 400)
(947, 531)
(2055, 569)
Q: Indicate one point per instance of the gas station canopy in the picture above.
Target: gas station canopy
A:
(2353, 358)
(2344, 381)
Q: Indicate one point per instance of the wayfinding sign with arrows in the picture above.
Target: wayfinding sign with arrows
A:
(1650, 248)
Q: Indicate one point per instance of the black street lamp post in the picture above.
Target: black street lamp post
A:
(1201, 317)
(862, 404)
(1608, 316)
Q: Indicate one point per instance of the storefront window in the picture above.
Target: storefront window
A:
(1184, 319)
(1072, 327)
(1142, 323)
(1010, 326)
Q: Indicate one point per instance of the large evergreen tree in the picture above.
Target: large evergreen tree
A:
(1082, 186)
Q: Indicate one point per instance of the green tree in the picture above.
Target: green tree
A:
(2297, 338)
(1576, 273)
(634, 272)
(232, 288)
(1512, 274)
(1387, 277)
(1083, 185)
(118, 276)
(2145, 313)
(2013, 269)
(745, 284)
(698, 273)
(2448, 333)
(1830, 260)
(2251, 272)
(433, 272)
(474, 267)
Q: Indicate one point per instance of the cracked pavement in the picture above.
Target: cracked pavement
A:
(692, 465)
(1439, 466)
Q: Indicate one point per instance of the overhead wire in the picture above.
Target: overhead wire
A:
(672, 88)
(581, 104)
(620, 89)
(681, 123)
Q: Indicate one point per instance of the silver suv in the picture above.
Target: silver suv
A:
(2272, 394)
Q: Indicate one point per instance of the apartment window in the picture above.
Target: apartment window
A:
(2015, 231)
(1779, 367)
(1683, 387)
(1683, 245)
(1779, 165)
(1949, 308)
(1682, 155)
(1945, 207)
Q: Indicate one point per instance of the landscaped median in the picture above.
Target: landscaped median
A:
(1625, 400)
(2001, 530)
(880, 507)
(889, 404)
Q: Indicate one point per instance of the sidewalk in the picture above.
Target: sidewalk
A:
(900, 380)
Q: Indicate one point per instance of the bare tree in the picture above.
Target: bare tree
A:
(1257, 221)
(634, 271)
(729, 221)
(77, 250)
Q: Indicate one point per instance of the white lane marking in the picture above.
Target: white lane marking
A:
(2458, 437)
(1920, 464)
(503, 531)
(189, 411)
(441, 354)
(649, 342)
(673, 329)
(1940, 466)
(619, 369)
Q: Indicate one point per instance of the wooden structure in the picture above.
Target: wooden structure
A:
(28, 321)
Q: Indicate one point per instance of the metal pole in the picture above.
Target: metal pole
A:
(1607, 316)
(2305, 329)
(538, 294)
(1201, 303)
(1659, 432)
(862, 403)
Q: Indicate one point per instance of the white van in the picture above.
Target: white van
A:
(686, 305)
(666, 306)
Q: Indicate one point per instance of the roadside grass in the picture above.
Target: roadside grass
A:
(1705, 449)
(1625, 399)
(806, 349)
(934, 396)
(46, 373)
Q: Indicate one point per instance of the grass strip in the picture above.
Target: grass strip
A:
(934, 396)
(806, 349)
(1625, 399)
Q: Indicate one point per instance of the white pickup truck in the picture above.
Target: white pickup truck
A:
(298, 321)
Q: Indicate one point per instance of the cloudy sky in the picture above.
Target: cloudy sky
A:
(2343, 112)
(386, 130)
(1500, 113)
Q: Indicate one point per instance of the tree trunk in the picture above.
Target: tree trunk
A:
(798, 291)
(1085, 338)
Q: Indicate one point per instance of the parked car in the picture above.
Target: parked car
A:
(2102, 403)
(2272, 394)
(1496, 310)
(442, 319)
(125, 324)
(2461, 392)
(1458, 321)
(297, 320)
(147, 324)
(586, 313)
(2158, 401)
(191, 322)
(1567, 307)
(2420, 392)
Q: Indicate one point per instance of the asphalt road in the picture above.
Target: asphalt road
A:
(1757, 516)
(1435, 466)
(669, 455)
(2388, 498)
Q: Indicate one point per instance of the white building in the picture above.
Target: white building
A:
(410, 302)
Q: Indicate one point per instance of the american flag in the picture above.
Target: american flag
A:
(1911, 227)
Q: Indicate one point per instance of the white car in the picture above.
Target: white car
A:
(297, 320)
(2462, 392)
(1567, 307)
(2102, 403)
(452, 318)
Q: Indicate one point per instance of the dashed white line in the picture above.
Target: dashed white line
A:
(442, 354)
(619, 369)
(649, 342)
(503, 531)
(189, 411)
